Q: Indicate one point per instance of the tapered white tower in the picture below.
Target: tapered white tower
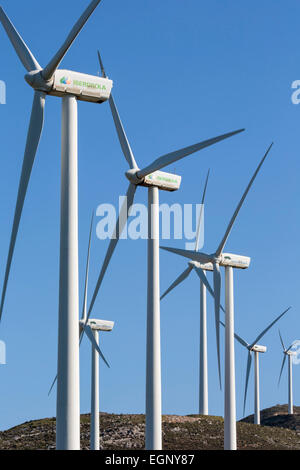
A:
(95, 407)
(288, 353)
(256, 389)
(153, 356)
(92, 328)
(203, 373)
(230, 407)
(68, 402)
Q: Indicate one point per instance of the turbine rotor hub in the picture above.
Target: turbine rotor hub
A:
(37, 82)
(132, 176)
(192, 264)
(217, 259)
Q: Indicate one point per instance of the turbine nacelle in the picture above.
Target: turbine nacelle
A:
(66, 82)
(235, 261)
(98, 325)
(225, 259)
(160, 179)
(259, 349)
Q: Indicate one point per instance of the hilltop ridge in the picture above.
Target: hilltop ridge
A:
(194, 432)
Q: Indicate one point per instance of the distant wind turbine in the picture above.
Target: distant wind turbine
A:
(229, 261)
(255, 348)
(92, 329)
(204, 286)
(288, 353)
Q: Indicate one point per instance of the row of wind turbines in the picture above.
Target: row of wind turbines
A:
(200, 263)
(253, 348)
(72, 87)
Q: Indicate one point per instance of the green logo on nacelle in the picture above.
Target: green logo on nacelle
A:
(96, 86)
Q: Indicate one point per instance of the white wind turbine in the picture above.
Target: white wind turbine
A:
(92, 329)
(154, 180)
(204, 286)
(229, 261)
(288, 353)
(70, 86)
(255, 348)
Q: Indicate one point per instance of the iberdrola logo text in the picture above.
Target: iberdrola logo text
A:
(82, 84)
(89, 85)
(66, 81)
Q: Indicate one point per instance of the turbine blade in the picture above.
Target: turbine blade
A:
(237, 337)
(51, 388)
(190, 254)
(281, 340)
(101, 66)
(269, 327)
(205, 187)
(201, 214)
(84, 307)
(229, 228)
(128, 154)
(288, 349)
(50, 69)
(114, 241)
(89, 332)
(217, 291)
(33, 138)
(179, 154)
(281, 370)
(25, 55)
(204, 279)
(178, 281)
(247, 378)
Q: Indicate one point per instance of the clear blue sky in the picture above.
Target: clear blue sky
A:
(183, 72)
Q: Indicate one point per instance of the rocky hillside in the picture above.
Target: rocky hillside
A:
(278, 416)
(179, 433)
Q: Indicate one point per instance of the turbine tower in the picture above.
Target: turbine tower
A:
(255, 348)
(154, 180)
(70, 86)
(288, 353)
(92, 329)
(229, 261)
(204, 286)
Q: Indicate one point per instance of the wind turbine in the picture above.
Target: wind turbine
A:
(229, 261)
(92, 329)
(255, 348)
(154, 180)
(288, 353)
(70, 86)
(204, 286)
